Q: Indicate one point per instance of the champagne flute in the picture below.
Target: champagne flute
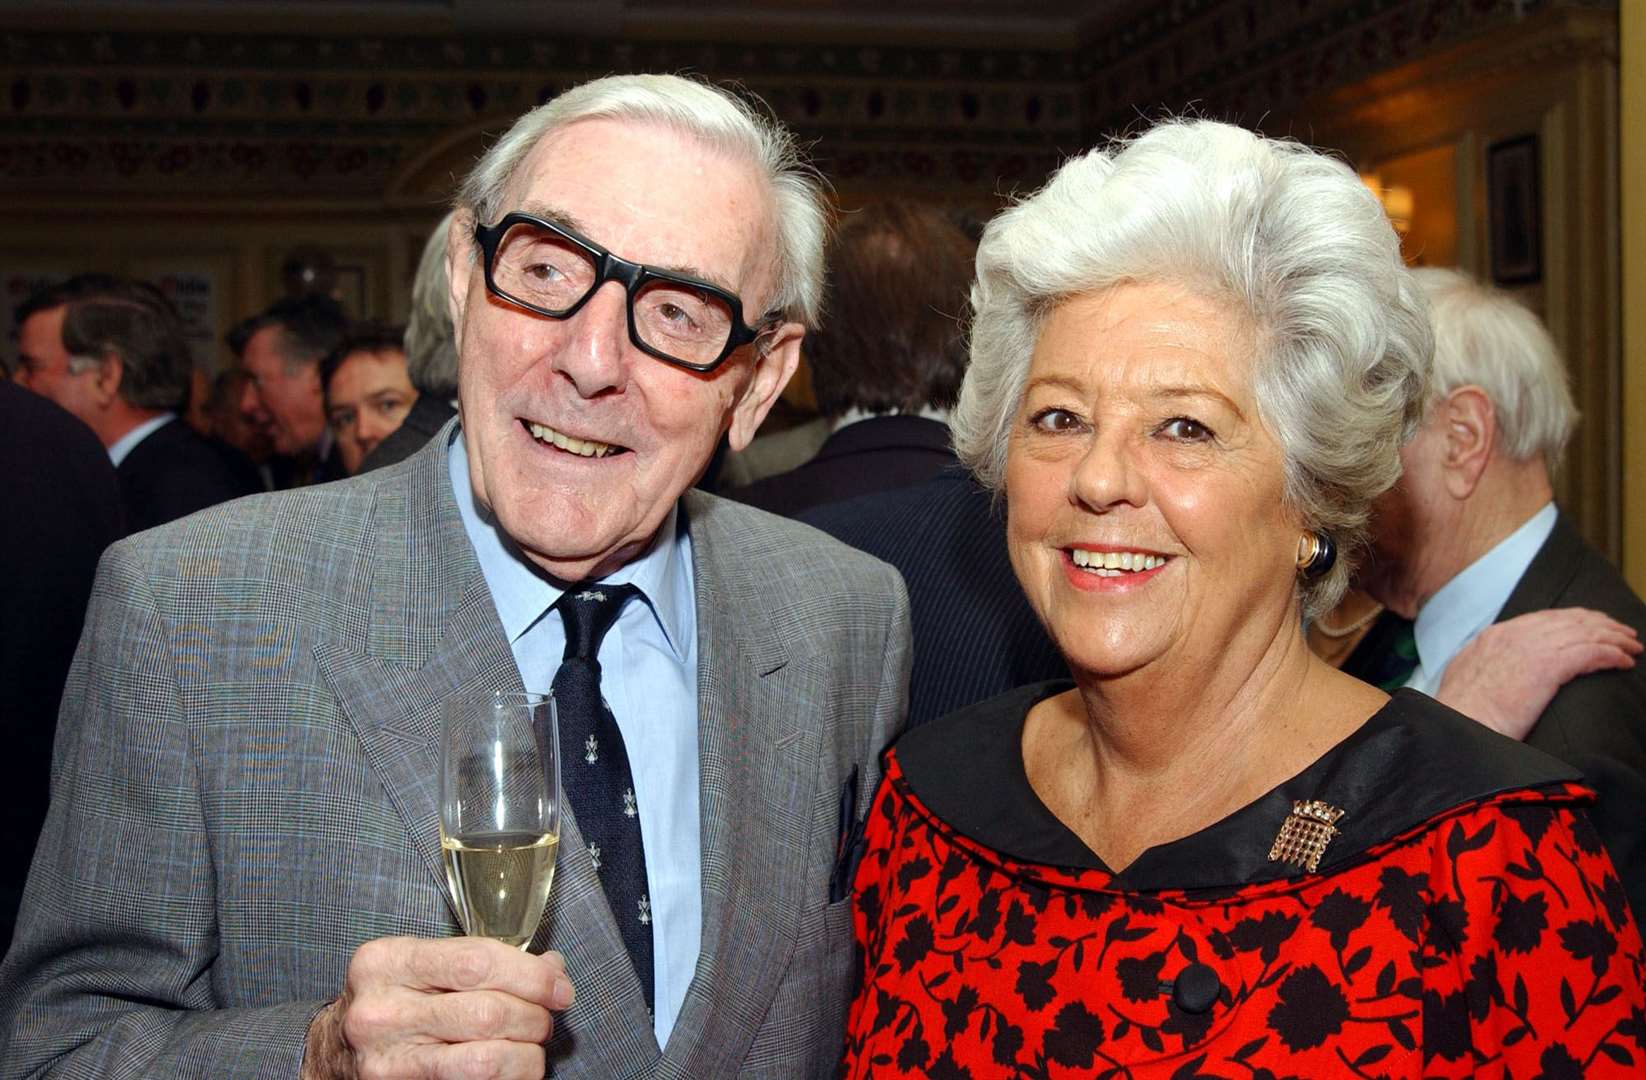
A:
(500, 809)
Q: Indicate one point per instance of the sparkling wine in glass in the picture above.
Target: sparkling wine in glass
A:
(499, 810)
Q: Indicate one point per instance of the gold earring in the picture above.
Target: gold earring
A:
(1316, 554)
(1308, 546)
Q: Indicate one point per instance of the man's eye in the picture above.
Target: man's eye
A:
(677, 316)
(1185, 429)
(1054, 420)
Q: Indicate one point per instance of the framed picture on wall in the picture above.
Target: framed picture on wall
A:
(1514, 211)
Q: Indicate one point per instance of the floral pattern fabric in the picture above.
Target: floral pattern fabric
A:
(1494, 940)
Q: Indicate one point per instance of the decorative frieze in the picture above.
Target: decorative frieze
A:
(341, 116)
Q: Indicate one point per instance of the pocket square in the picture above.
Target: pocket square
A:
(848, 848)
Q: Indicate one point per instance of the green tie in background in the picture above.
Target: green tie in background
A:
(1387, 655)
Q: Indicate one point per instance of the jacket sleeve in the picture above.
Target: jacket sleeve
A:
(111, 971)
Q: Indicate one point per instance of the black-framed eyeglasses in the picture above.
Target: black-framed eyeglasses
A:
(549, 269)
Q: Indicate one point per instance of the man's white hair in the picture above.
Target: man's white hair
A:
(721, 120)
(1486, 338)
(1288, 237)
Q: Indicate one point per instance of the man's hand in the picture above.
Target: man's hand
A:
(460, 1007)
(1510, 672)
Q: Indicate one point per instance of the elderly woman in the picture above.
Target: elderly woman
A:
(1194, 360)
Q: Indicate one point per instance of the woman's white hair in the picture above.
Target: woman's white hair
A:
(1484, 337)
(1289, 237)
(726, 122)
(431, 343)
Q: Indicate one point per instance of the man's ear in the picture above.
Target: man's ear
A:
(460, 265)
(1471, 438)
(771, 374)
(105, 379)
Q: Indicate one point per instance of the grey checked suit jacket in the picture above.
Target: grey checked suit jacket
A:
(245, 789)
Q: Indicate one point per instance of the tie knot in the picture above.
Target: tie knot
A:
(588, 613)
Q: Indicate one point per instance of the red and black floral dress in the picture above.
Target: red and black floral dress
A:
(1463, 921)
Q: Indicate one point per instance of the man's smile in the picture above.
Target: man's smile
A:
(548, 436)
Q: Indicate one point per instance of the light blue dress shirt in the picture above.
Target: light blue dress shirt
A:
(1469, 602)
(126, 443)
(648, 675)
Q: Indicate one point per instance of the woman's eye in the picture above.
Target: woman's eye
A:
(1054, 420)
(1186, 430)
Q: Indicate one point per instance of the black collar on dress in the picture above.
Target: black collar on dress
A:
(1412, 760)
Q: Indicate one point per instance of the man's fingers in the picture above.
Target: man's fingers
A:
(481, 1015)
(1611, 637)
(458, 964)
(1585, 659)
(492, 1060)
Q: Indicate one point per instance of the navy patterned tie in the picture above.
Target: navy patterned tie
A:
(595, 769)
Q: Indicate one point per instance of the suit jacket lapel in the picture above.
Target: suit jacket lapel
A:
(758, 760)
(434, 630)
(1549, 573)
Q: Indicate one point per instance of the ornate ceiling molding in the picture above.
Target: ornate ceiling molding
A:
(360, 118)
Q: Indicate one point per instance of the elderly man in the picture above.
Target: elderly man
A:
(280, 350)
(241, 875)
(112, 351)
(1470, 539)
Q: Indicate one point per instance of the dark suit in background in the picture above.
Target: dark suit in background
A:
(173, 472)
(1596, 722)
(428, 415)
(975, 634)
(862, 458)
(61, 508)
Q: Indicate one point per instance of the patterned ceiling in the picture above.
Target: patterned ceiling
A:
(1000, 22)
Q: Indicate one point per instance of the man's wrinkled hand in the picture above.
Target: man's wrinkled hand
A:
(1510, 672)
(458, 1007)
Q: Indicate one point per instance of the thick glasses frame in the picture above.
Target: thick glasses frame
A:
(632, 275)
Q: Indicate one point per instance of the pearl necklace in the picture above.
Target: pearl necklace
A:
(1360, 623)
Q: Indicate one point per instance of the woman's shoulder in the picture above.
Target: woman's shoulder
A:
(961, 737)
(1440, 757)
(966, 771)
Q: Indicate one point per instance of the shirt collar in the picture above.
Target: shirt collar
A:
(1469, 602)
(855, 415)
(126, 443)
(523, 594)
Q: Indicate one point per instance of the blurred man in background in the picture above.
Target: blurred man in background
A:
(280, 351)
(887, 363)
(368, 392)
(112, 351)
